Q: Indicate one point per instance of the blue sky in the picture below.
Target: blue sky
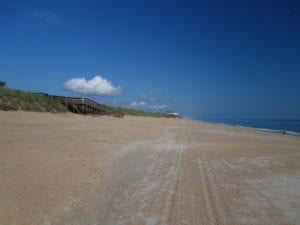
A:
(223, 59)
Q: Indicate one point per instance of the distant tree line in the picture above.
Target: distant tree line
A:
(2, 84)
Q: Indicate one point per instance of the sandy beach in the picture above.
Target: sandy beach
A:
(67, 169)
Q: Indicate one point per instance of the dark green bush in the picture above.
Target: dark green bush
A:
(14, 99)
(7, 107)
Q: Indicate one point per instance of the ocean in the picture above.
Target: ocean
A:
(292, 126)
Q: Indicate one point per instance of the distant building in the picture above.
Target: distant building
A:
(171, 114)
(2, 84)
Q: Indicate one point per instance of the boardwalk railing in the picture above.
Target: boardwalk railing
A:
(82, 105)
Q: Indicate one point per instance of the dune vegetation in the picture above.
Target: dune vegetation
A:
(13, 100)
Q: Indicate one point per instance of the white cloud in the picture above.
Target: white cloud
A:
(49, 17)
(148, 103)
(115, 102)
(136, 105)
(96, 86)
(147, 98)
(158, 107)
(143, 105)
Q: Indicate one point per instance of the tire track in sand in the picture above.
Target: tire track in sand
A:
(142, 197)
(168, 182)
(218, 211)
(169, 202)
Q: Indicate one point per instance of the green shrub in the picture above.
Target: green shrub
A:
(11, 99)
(14, 99)
(7, 107)
(135, 112)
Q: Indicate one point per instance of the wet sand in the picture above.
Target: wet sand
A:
(72, 169)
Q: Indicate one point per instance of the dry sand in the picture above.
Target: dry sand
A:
(66, 169)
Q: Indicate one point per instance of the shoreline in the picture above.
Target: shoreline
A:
(263, 129)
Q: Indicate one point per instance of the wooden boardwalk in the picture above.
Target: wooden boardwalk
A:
(82, 105)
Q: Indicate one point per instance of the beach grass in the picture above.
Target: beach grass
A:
(135, 112)
(13, 100)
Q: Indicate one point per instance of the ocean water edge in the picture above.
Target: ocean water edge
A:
(290, 126)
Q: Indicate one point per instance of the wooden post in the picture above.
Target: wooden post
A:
(83, 105)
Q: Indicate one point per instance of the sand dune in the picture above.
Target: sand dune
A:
(72, 169)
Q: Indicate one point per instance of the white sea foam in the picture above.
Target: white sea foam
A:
(271, 130)
(280, 126)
